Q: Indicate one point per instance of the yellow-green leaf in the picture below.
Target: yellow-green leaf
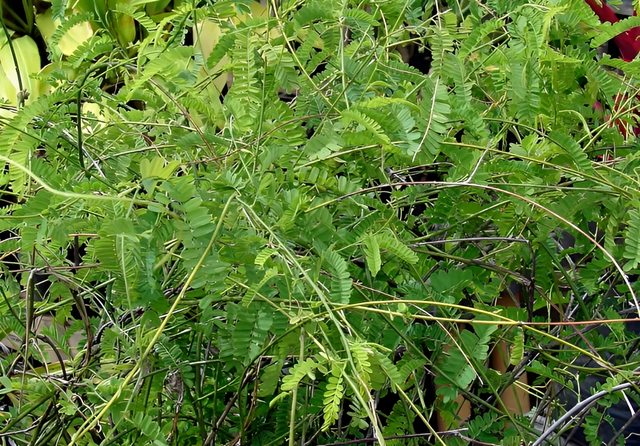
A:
(157, 168)
(372, 254)
(517, 348)
(28, 58)
(72, 39)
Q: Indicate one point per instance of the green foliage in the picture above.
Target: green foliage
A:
(632, 247)
(609, 31)
(284, 233)
(459, 368)
(372, 253)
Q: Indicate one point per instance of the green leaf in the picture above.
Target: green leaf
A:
(478, 35)
(245, 96)
(6, 382)
(58, 8)
(632, 241)
(441, 41)
(575, 151)
(368, 123)
(392, 372)
(332, 397)
(251, 292)
(28, 57)
(264, 255)
(168, 64)
(517, 348)
(609, 31)
(18, 142)
(396, 247)
(372, 253)
(158, 167)
(434, 111)
(297, 373)
(140, 16)
(340, 280)
(66, 27)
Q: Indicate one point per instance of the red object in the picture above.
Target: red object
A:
(619, 100)
(629, 46)
(627, 42)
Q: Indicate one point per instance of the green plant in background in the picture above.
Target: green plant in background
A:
(268, 228)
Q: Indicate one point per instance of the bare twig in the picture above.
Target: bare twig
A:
(578, 408)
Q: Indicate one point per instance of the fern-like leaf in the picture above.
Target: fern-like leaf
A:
(368, 123)
(17, 143)
(479, 33)
(299, 371)
(360, 354)
(397, 248)
(360, 17)
(305, 51)
(222, 49)
(118, 250)
(58, 8)
(245, 96)
(140, 16)
(434, 109)
(458, 366)
(264, 255)
(168, 64)
(90, 49)
(312, 12)
(390, 369)
(632, 241)
(340, 279)
(463, 100)
(241, 336)
(64, 28)
(517, 348)
(441, 41)
(609, 31)
(372, 254)
(251, 292)
(408, 367)
(574, 150)
(332, 398)
(324, 143)
(525, 90)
